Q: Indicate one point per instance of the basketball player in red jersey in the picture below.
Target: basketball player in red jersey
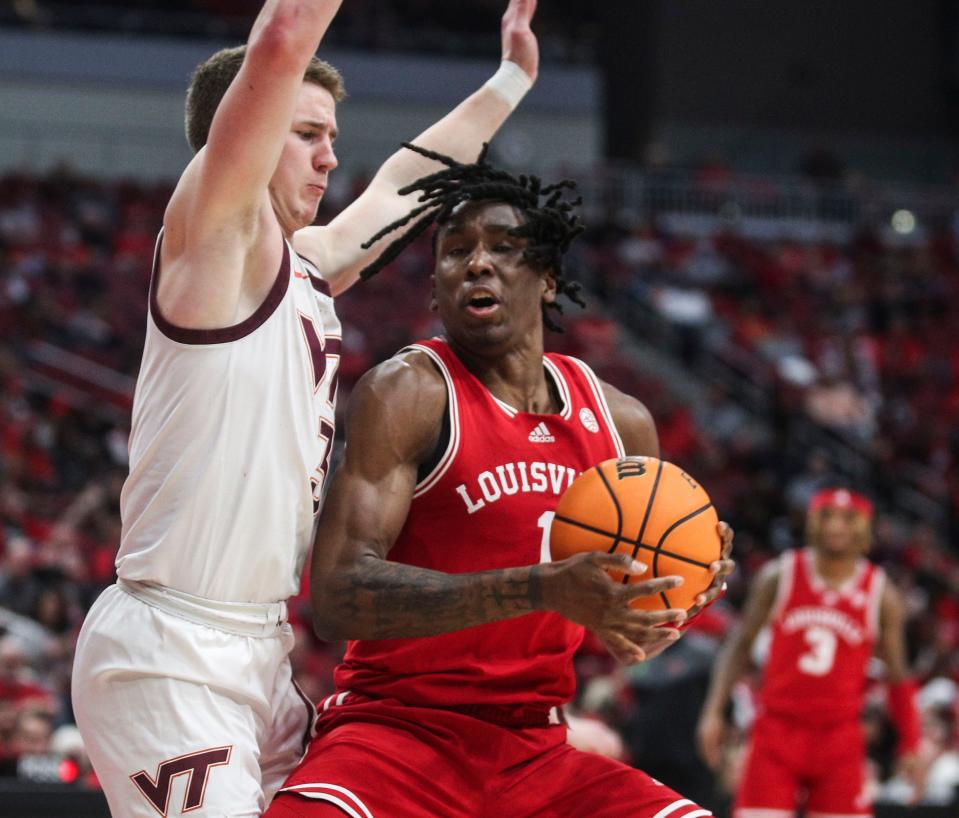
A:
(432, 552)
(829, 609)
(182, 684)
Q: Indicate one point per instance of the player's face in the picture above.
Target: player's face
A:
(300, 179)
(487, 296)
(840, 531)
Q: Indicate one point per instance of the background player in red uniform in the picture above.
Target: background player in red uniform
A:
(829, 610)
(433, 547)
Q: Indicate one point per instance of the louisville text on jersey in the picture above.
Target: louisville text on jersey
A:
(515, 478)
(798, 619)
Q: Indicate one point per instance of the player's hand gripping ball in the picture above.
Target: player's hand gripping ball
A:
(647, 508)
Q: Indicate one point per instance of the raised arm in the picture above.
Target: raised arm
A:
(221, 207)
(460, 134)
(254, 117)
(732, 662)
(393, 424)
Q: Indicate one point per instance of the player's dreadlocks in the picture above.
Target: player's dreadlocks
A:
(550, 226)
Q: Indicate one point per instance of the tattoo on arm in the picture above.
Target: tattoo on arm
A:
(535, 588)
(380, 599)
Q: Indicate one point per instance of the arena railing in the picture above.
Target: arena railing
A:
(762, 205)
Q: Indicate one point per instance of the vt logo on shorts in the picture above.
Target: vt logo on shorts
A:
(195, 765)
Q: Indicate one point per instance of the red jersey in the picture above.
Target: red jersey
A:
(822, 640)
(488, 505)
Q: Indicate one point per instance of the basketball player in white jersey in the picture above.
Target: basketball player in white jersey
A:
(182, 683)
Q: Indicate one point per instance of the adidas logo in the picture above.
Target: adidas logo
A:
(541, 435)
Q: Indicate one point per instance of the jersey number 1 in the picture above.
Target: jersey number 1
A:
(545, 522)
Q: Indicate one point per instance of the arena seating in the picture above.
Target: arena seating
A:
(852, 337)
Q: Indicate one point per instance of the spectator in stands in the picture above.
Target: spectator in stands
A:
(18, 584)
(32, 732)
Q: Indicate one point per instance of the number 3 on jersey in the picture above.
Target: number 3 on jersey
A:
(325, 361)
(818, 661)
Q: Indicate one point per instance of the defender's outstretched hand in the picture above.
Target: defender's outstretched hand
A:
(519, 43)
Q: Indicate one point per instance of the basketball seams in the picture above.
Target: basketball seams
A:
(637, 545)
(619, 510)
(679, 522)
(586, 527)
(640, 511)
(649, 508)
(659, 546)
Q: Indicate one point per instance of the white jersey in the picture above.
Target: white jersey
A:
(230, 445)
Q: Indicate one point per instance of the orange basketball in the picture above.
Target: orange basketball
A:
(647, 508)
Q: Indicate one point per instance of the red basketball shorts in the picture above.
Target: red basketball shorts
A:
(791, 763)
(383, 759)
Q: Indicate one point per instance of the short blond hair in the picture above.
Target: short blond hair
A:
(213, 76)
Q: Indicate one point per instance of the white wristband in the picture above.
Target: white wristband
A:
(511, 82)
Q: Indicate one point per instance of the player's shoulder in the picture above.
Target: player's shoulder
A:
(410, 367)
(408, 384)
(764, 591)
(891, 596)
(632, 420)
(399, 403)
(764, 588)
(771, 572)
(625, 406)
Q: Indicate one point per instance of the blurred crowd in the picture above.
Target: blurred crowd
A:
(858, 335)
(567, 30)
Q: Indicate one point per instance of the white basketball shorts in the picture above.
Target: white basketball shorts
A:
(187, 707)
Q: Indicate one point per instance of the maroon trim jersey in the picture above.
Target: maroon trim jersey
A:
(230, 444)
(488, 505)
(822, 640)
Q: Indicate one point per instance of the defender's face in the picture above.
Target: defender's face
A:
(487, 296)
(300, 178)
